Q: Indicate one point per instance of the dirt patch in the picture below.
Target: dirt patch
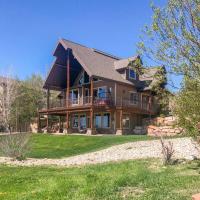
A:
(127, 192)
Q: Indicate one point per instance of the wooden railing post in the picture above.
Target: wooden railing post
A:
(68, 89)
(48, 94)
(67, 120)
(92, 90)
(91, 119)
(68, 79)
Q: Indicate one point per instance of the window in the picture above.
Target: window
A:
(132, 74)
(106, 120)
(98, 121)
(74, 96)
(102, 92)
(134, 98)
(82, 121)
(75, 121)
(84, 78)
(81, 80)
(102, 120)
(126, 121)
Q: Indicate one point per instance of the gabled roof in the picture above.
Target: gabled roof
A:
(123, 63)
(96, 63)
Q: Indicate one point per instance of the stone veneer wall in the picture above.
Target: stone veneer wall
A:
(162, 126)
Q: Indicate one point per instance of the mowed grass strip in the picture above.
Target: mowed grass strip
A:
(52, 146)
(139, 180)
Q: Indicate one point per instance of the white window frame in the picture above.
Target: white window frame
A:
(129, 74)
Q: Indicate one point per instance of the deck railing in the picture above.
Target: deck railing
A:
(103, 101)
(81, 101)
(137, 103)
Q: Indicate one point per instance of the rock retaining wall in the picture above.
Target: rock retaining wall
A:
(162, 126)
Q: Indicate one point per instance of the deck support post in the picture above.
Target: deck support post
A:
(67, 131)
(59, 124)
(120, 130)
(91, 130)
(92, 90)
(48, 95)
(48, 123)
(68, 79)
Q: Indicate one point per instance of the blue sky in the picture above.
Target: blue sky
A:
(30, 29)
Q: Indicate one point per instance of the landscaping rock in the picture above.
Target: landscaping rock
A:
(185, 148)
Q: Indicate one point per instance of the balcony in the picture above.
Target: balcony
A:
(104, 100)
(137, 104)
(81, 102)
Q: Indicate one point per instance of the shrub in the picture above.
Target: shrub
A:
(15, 146)
(167, 151)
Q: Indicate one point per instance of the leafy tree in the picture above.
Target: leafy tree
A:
(187, 106)
(8, 94)
(32, 97)
(173, 40)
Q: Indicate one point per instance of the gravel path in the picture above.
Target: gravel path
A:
(185, 148)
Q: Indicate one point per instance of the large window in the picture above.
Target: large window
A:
(98, 121)
(102, 120)
(75, 121)
(83, 121)
(132, 74)
(100, 92)
(106, 120)
(134, 98)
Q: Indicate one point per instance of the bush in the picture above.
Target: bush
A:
(15, 146)
(167, 151)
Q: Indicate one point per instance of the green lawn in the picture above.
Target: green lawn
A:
(137, 180)
(51, 146)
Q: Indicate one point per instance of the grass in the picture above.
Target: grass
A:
(137, 180)
(51, 146)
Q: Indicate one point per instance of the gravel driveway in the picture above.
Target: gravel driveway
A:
(185, 148)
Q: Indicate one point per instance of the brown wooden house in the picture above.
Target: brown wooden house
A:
(99, 93)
